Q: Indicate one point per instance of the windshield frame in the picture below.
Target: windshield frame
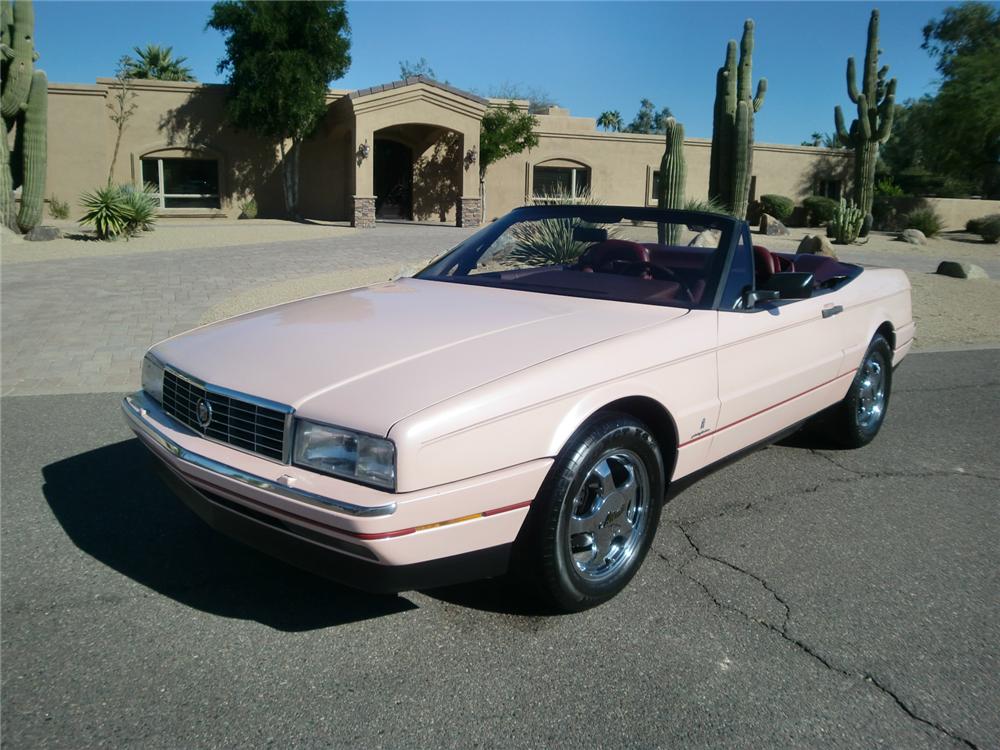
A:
(464, 256)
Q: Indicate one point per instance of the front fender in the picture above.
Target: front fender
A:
(531, 414)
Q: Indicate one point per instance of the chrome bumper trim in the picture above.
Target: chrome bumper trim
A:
(137, 404)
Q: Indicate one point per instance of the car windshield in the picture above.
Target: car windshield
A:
(640, 255)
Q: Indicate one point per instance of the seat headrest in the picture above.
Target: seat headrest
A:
(765, 265)
(611, 250)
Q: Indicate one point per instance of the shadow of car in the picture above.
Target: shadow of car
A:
(109, 506)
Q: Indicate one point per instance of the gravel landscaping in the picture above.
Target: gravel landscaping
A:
(170, 235)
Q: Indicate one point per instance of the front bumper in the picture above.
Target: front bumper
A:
(364, 537)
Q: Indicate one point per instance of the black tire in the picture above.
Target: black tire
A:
(853, 422)
(595, 472)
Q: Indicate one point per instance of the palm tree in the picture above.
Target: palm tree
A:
(610, 121)
(159, 63)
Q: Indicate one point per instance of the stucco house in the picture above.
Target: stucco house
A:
(405, 150)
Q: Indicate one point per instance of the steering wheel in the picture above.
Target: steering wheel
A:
(661, 273)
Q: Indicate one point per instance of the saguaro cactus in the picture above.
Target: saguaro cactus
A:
(23, 107)
(732, 127)
(873, 125)
(673, 172)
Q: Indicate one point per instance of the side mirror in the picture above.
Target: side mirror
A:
(753, 296)
(790, 285)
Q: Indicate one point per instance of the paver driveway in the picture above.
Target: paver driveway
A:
(82, 325)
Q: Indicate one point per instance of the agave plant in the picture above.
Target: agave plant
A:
(551, 241)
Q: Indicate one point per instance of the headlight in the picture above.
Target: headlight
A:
(351, 455)
(152, 377)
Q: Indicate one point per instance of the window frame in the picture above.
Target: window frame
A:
(823, 187)
(162, 196)
(577, 198)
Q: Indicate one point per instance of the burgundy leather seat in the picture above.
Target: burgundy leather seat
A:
(765, 265)
(601, 256)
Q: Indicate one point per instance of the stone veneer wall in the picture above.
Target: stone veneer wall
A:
(364, 212)
(470, 212)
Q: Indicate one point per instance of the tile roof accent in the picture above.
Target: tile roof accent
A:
(416, 79)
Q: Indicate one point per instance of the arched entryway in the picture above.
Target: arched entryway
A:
(417, 172)
(393, 168)
(439, 125)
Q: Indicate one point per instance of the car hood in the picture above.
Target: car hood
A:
(366, 358)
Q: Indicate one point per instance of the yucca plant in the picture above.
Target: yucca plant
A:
(141, 206)
(710, 206)
(106, 211)
(120, 210)
(550, 241)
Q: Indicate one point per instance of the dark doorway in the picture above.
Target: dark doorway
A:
(393, 180)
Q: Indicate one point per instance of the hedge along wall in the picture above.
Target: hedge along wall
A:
(954, 212)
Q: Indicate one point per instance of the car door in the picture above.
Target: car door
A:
(778, 363)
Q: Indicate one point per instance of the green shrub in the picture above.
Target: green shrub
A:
(59, 209)
(886, 186)
(972, 226)
(819, 210)
(778, 206)
(119, 211)
(924, 219)
(988, 227)
(248, 209)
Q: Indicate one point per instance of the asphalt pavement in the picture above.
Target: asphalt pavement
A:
(801, 597)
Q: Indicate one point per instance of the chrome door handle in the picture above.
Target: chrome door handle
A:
(829, 312)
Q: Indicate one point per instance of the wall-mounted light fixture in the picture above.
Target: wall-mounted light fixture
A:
(363, 150)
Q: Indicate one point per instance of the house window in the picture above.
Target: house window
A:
(830, 189)
(654, 186)
(561, 183)
(183, 183)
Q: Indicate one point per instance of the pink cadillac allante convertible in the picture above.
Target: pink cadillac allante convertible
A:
(523, 403)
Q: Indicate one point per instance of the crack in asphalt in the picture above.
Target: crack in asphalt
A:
(744, 505)
(899, 474)
(782, 631)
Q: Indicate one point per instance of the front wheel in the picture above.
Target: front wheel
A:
(595, 517)
(856, 420)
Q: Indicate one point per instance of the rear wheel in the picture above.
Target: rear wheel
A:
(856, 420)
(596, 515)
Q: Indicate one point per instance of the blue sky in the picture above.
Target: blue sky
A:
(589, 56)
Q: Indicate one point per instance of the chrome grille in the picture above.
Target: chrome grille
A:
(237, 422)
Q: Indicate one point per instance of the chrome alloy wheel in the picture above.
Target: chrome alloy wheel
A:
(609, 514)
(871, 391)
